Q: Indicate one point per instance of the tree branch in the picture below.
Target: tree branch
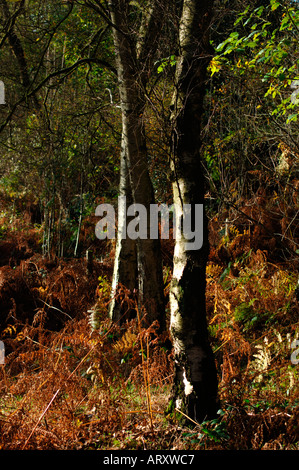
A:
(15, 43)
(65, 71)
(149, 29)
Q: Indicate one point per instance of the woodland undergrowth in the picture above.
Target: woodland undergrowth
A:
(65, 385)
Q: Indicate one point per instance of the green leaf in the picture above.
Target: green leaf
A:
(274, 5)
(221, 45)
(285, 23)
(225, 272)
(229, 49)
(259, 11)
(252, 44)
(265, 25)
(292, 117)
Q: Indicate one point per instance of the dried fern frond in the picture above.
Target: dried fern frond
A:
(126, 342)
(262, 359)
(96, 373)
(234, 231)
(96, 314)
(93, 318)
(213, 271)
(10, 330)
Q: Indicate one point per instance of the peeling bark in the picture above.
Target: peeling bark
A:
(195, 384)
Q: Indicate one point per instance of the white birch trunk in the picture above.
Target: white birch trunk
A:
(195, 384)
(125, 263)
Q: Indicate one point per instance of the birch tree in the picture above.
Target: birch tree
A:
(195, 383)
(137, 263)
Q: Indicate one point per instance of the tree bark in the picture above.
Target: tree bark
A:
(195, 384)
(125, 262)
(132, 79)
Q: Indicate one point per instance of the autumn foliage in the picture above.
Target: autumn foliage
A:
(67, 386)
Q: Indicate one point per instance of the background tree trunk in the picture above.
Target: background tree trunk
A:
(134, 151)
(125, 262)
(195, 384)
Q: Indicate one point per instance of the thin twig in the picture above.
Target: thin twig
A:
(186, 416)
(55, 308)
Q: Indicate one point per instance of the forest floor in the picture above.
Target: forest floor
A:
(64, 386)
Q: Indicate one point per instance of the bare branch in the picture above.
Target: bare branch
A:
(65, 71)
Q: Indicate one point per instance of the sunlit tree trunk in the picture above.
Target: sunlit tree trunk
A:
(195, 384)
(125, 262)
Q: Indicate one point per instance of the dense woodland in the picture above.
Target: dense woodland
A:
(160, 101)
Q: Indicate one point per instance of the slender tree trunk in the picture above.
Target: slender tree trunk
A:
(195, 384)
(134, 151)
(125, 263)
(80, 217)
